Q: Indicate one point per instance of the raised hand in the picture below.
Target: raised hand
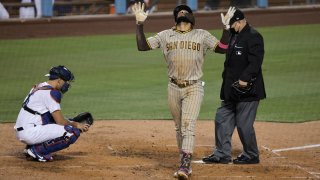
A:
(226, 18)
(138, 10)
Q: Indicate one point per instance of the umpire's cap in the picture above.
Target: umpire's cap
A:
(179, 8)
(237, 16)
(60, 72)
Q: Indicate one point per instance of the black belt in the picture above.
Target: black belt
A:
(21, 128)
(183, 83)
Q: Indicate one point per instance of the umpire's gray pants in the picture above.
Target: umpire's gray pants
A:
(242, 115)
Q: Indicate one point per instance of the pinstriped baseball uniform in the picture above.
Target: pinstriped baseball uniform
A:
(184, 54)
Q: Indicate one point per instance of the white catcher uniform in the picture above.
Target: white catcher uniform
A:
(34, 128)
(184, 54)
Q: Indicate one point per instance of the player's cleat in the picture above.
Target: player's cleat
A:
(213, 159)
(185, 167)
(175, 174)
(42, 158)
(25, 151)
(183, 173)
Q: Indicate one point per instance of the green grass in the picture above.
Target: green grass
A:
(115, 81)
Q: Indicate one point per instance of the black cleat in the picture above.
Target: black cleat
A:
(245, 160)
(212, 159)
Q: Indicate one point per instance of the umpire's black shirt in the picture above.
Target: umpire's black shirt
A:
(244, 58)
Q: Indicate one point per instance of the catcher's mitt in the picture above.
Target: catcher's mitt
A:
(242, 90)
(85, 118)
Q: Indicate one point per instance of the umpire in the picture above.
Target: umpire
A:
(242, 89)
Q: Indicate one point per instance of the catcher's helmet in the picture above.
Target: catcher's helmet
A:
(179, 8)
(60, 72)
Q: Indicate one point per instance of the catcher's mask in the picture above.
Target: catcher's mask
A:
(188, 17)
(63, 73)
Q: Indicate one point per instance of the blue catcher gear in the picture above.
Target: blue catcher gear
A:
(42, 152)
(63, 73)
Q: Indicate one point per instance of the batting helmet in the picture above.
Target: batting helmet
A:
(60, 72)
(183, 7)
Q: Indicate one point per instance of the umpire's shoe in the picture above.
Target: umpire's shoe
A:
(211, 159)
(242, 159)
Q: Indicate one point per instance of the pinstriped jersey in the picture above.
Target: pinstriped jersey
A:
(184, 51)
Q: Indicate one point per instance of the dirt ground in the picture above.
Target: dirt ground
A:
(146, 149)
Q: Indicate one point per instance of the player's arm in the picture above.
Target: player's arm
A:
(225, 19)
(223, 43)
(59, 119)
(141, 16)
(141, 39)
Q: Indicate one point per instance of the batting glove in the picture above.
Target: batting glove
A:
(226, 18)
(139, 12)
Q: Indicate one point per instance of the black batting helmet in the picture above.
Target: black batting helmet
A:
(179, 8)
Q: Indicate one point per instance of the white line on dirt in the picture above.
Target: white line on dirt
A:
(198, 162)
(297, 148)
(309, 172)
(314, 174)
(269, 149)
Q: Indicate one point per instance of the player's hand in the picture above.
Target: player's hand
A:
(138, 10)
(226, 18)
(82, 127)
(243, 83)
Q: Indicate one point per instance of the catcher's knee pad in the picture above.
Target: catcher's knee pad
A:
(71, 133)
(57, 144)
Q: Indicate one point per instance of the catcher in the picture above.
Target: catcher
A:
(40, 123)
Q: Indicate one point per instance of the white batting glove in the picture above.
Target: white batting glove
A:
(226, 18)
(138, 11)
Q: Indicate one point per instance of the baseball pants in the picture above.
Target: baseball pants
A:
(38, 134)
(184, 104)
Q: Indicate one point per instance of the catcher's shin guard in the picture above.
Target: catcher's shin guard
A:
(43, 150)
(185, 167)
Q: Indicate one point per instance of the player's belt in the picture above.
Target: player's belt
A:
(20, 129)
(183, 83)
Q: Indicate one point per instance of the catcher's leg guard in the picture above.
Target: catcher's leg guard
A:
(43, 150)
(185, 167)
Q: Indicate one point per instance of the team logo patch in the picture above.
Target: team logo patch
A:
(238, 53)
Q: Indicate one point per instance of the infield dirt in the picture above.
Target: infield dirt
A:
(146, 149)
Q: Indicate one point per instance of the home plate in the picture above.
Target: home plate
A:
(198, 162)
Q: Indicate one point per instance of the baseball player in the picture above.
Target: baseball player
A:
(184, 49)
(40, 123)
